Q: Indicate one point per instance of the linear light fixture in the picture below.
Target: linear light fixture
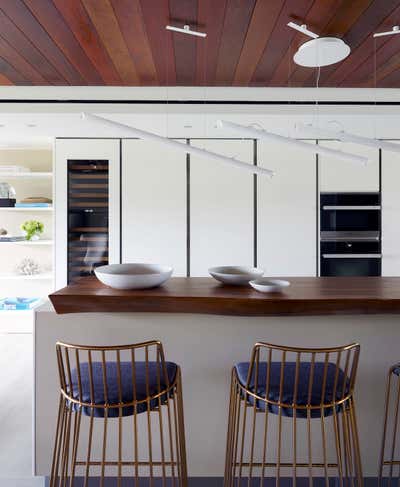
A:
(395, 30)
(189, 149)
(352, 138)
(314, 148)
(186, 30)
(303, 29)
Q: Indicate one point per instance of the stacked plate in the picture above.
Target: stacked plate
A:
(242, 276)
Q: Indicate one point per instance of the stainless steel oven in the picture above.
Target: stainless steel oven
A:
(350, 237)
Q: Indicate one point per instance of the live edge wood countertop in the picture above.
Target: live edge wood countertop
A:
(305, 296)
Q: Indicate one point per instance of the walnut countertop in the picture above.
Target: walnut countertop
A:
(305, 296)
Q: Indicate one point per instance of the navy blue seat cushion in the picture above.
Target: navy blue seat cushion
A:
(289, 376)
(156, 384)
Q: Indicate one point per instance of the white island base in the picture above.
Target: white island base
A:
(206, 347)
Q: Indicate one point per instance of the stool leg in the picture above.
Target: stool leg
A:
(231, 433)
(181, 428)
(58, 443)
(356, 443)
(75, 441)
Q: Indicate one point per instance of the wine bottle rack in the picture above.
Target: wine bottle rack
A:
(88, 217)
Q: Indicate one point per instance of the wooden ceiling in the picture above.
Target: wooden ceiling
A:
(124, 42)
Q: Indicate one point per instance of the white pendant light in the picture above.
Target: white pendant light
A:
(314, 148)
(186, 30)
(349, 137)
(127, 130)
(319, 51)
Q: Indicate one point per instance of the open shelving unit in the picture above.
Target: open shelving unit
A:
(37, 181)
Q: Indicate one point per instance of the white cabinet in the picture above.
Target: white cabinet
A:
(16, 364)
(85, 149)
(221, 207)
(287, 211)
(153, 204)
(337, 175)
(390, 214)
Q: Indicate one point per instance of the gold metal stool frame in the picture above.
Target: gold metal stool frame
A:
(390, 454)
(169, 462)
(251, 456)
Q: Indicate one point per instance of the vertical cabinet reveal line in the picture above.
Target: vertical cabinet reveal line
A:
(255, 215)
(188, 211)
(120, 201)
(317, 273)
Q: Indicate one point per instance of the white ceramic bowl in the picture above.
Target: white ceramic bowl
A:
(133, 276)
(267, 285)
(236, 275)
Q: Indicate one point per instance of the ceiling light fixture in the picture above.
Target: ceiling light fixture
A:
(395, 30)
(349, 137)
(189, 149)
(319, 51)
(186, 30)
(314, 148)
(303, 29)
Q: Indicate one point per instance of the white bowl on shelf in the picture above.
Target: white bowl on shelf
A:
(267, 285)
(133, 276)
(235, 275)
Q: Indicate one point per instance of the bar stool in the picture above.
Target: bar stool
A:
(390, 454)
(292, 414)
(103, 387)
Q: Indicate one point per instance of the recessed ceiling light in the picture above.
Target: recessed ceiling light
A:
(31, 125)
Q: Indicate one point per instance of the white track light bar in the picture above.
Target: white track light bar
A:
(314, 148)
(395, 30)
(352, 138)
(303, 29)
(186, 30)
(189, 149)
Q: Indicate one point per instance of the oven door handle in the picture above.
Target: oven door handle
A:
(343, 207)
(352, 256)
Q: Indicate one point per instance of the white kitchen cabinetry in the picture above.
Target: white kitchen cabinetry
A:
(153, 204)
(390, 214)
(337, 175)
(287, 211)
(85, 149)
(16, 364)
(221, 207)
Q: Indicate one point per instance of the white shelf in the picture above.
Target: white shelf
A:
(32, 242)
(44, 276)
(25, 175)
(29, 242)
(34, 210)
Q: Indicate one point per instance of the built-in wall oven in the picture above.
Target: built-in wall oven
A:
(350, 234)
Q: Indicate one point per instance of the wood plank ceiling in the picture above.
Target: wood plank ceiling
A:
(124, 42)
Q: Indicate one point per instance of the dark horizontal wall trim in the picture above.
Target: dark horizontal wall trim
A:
(208, 102)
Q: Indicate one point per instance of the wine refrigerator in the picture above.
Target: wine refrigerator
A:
(88, 217)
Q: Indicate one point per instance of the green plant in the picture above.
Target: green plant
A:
(32, 227)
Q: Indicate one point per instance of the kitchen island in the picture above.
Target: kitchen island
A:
(206, 328)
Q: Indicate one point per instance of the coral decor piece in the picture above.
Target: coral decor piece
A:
(28, 267)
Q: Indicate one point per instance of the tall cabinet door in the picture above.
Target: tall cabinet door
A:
(390, 214)
(287, 211)
(154, 204)
(84, 152)
(337, 175)
(221, 207)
